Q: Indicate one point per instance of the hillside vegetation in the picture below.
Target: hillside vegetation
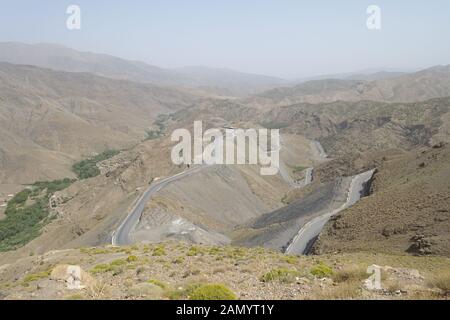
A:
(27, 212)
(177, 270)
(88, 168)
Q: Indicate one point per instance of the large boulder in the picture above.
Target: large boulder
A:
(74, 277)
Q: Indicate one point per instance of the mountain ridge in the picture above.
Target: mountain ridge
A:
(50, 118)
(62, 58)
(425, 84)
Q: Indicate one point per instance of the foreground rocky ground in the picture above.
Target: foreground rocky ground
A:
(181, 271)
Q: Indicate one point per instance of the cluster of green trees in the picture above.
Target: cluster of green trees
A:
(51, 186)
(27, 212)
(86, 169)
(160, 122)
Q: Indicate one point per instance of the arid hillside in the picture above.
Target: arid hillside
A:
(354, 128)
(408, 210)
(90, 210)
(344, 128)
(180, 271)
(209, 206)
(426, 84)
(49, 119)
(196, 209)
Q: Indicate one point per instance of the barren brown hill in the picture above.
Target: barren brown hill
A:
(408, 210)
(343, 127)
(426, 84)
(48, 118)
(89, 210)
(365, 126)
(61, 58)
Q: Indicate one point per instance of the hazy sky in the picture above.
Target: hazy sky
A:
(290, 39)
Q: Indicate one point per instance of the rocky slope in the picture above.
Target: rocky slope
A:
(88, 211)
(407, 212)
(426, 84)
(177, 270)
(187, 209)
(354, 128)
(49, 119)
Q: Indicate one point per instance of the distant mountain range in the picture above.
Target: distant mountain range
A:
(366, 74)
(58, 104)
(422, 85)
(218, 81)
(61, 58)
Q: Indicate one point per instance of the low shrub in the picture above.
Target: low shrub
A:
(281, 275)
(102, 268)
(178, 260)
(158, 283)
(212, 292)
(441, 281)
(182, 292)
(193, 251)
(290, 259)
(342, 291)
(350, 273)
(321, 270)
(36, 276)
(159, 251)
(132, 258)
(215, 250)
(118, 262)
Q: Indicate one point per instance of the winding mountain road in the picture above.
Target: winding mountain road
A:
(121, 236)
(319, 154)
(304, 239)
(308, 176)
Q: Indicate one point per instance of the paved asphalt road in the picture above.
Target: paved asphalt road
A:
(122, 235)
(308, 176)
(321, 154)
(284, 172)
(305, 237)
